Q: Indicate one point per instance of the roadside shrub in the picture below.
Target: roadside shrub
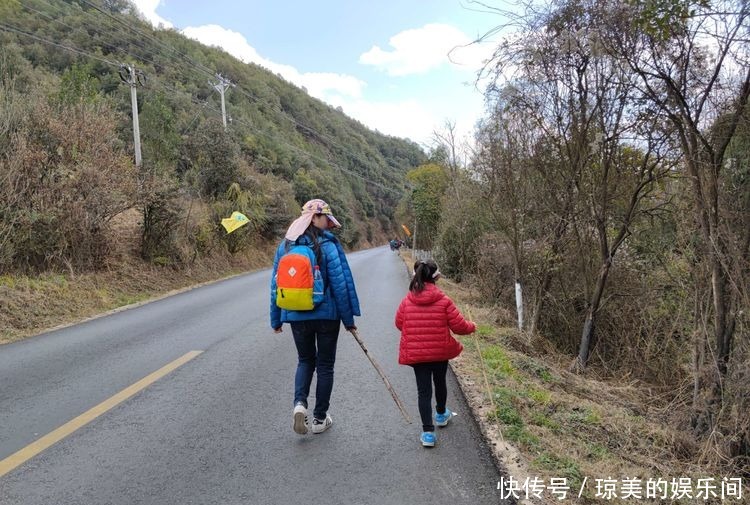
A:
(65, 177)
(456, 244)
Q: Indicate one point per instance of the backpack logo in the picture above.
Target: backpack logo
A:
(299, 283)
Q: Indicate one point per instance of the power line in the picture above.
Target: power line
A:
(202, 68)
(9, 28)
(248, 125)
(152, 39)
(60, 22)
(290, 146)
(96, 27)
(331, 142)
(91, 16)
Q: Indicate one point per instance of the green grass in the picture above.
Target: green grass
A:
(485, 330)
(597, 451)
(497, 361)
(129, 299)
(585, 416)
(540, 396)
(536, 370)
(521, 436)
(7, 281)
(544, 420)
(511, 419)
(508, 415)
(503, 394)
(560, 466)
(54, 281)
(59, 280)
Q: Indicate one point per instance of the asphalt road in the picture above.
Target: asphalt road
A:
(217, 430)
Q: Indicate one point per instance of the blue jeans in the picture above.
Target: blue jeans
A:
(315, 358)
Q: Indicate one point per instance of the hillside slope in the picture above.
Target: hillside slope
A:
(281, 147)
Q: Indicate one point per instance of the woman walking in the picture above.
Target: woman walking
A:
(316, 329)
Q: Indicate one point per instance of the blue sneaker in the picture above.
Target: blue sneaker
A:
(442, 419)
(428, 438)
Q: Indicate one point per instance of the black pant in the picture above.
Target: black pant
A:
(426, 374)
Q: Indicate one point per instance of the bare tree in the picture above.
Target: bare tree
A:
(696, 73)
(447, 141)
(446, 138)
(576, 92)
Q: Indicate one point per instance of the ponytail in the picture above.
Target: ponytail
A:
(314, 235)
(424, 272)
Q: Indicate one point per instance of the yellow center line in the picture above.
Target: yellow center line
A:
(31, 450)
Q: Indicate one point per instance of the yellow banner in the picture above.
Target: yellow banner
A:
(234, 221)
(406, 230)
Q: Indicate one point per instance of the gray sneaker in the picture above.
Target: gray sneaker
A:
(319, 426)
(300, 419)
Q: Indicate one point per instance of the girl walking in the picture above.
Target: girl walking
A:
(426, 317)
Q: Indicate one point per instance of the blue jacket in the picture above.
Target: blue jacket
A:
(340, 300)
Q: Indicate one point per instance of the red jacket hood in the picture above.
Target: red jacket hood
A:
(430, 294)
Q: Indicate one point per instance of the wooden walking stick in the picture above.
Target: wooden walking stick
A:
(382, 376)
(484, 374)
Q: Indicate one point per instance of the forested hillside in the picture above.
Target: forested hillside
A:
(67, 150)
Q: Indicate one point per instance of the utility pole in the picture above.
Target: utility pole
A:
(133, 77)
(414, 254)
(414, 241)
(221, 87)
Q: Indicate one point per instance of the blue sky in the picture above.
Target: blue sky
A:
(384, 62)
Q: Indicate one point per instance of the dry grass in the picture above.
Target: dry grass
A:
(32, 304)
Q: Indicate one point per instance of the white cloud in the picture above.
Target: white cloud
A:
(407, 118)
(317, 84)
(232, 42)
(411, 118)
(148, 9)
(419, 50)
(471, 56)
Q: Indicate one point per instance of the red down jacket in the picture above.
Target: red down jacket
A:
(426, 320)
